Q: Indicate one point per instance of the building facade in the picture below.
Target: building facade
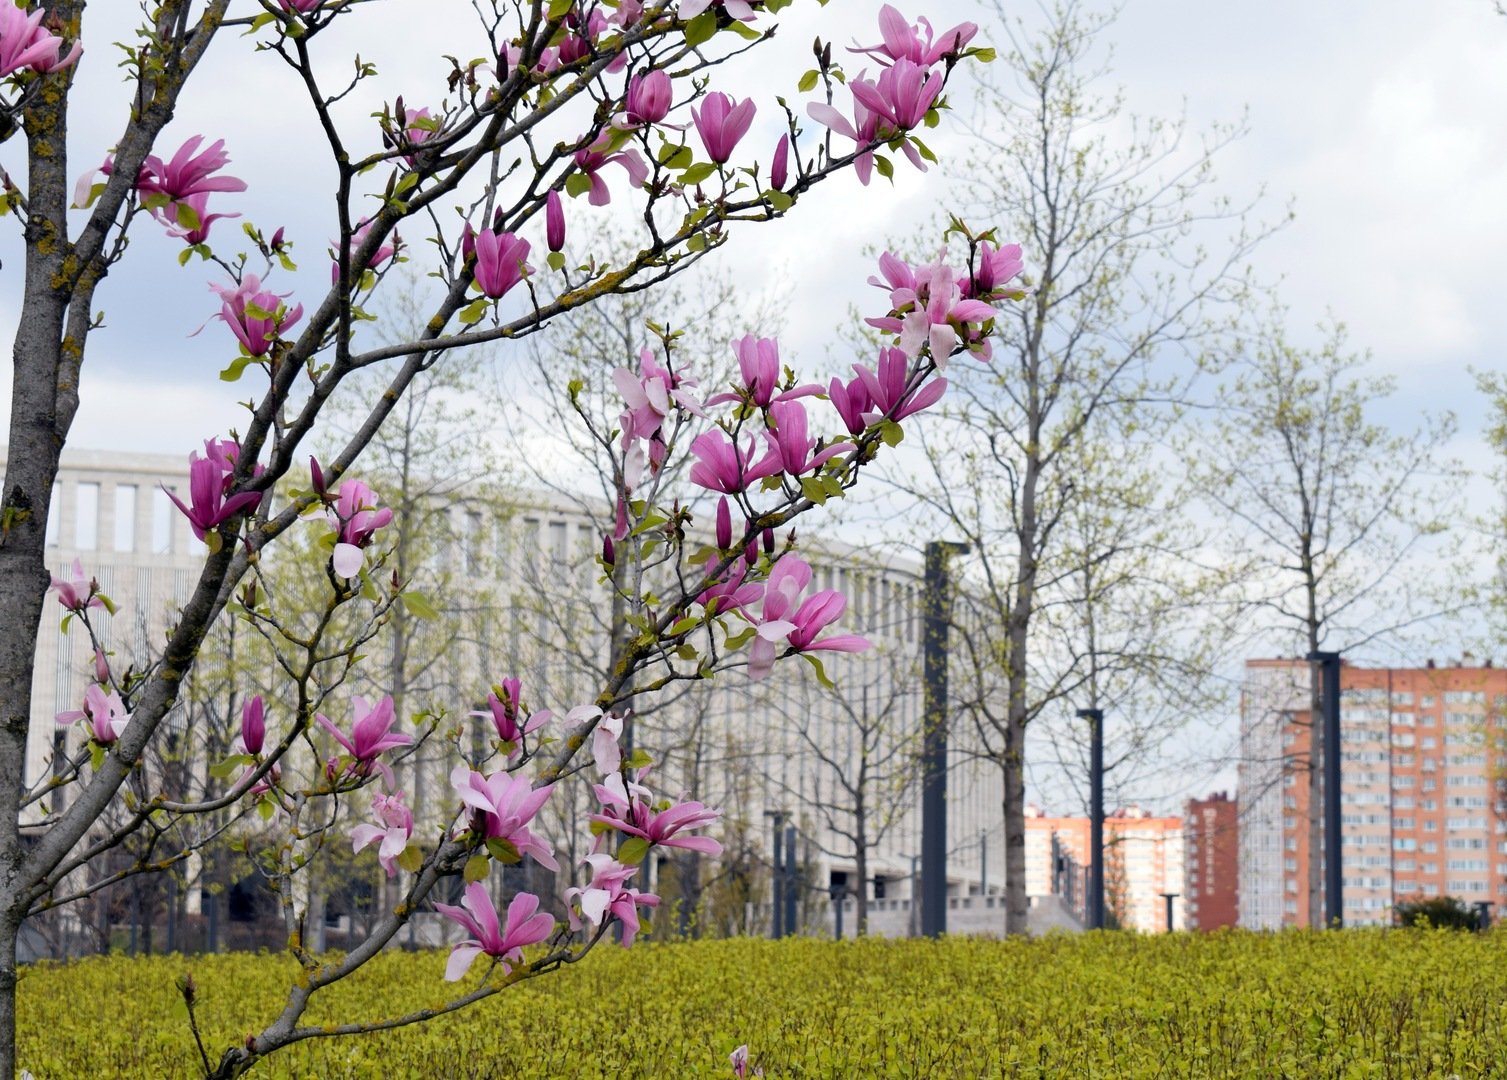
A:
(785, 744)
(1422, 757)
(1211, 831)
(1144, 856)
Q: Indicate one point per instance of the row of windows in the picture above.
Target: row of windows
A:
(88, 511)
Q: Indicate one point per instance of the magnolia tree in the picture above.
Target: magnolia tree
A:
(575, 102)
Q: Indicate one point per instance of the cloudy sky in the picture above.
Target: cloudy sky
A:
(1380, 122)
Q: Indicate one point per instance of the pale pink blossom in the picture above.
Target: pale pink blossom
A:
(504, 805)
(787, 620)
(722, 122)
(628, 811)
(392, 830)
(607, 895)
(503, 943)
(355, 517)
(371, 736)
(105, 712)
(902, 41)
(78, 592)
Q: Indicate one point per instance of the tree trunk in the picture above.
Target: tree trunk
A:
(1017, 905)
(861, 891)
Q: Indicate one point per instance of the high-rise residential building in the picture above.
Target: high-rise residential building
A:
(1422, 754)
(1143, 863)
(1212, 876)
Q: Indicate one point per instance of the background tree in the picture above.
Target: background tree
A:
(1328, 506)
(1119, 217)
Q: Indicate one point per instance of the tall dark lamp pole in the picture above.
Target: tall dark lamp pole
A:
(1329, 703)
(1095, 718)
(937, 615)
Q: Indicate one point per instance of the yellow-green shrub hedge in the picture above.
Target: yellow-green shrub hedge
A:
(1302, 1005)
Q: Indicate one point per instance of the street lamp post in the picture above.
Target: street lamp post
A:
(1329, 702)
(1095, 718)
(1169, 897)
(777, 883)
(937, 609)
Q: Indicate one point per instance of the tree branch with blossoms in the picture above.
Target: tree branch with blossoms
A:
(575, 103)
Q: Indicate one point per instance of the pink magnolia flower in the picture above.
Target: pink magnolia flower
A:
(504, 805)
(25, 43)
(928, 310)
(721, 123)
(188, 172)
(303, 7)
(505, 707)
(258, 317)
(78, 592)
(649, 98)
(105, 712)
(900, 99)
(606, 753)
(794, 445)
(629, 812)
(419, 126)
(499, 262)
(894, 391)
(759, 366)
(253, 726)
(393, 828)
(851, 400)
(355, 517)
(733, 592)
(554, 221)
(591, 159)
(101, 668)
(997, 267)
(207, 489)
(902, 41)
(503, 943)
(172, 216)
(721, 466)
(371, 736)
(608, 896)
(783, 623)
(358, 240)
(648, 396)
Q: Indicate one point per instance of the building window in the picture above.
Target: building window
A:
(86, 517)
(125, 517)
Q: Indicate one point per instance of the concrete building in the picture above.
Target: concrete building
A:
(1212, 880)
(1143, 861)
(735, 744)
(1422, 756)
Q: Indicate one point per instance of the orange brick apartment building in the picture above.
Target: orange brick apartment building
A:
(1423, 752)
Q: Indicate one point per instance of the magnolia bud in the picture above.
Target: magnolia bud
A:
(779, 168)
(724, 524)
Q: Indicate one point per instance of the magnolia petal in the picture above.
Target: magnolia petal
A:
(347, 560)
(460, 960)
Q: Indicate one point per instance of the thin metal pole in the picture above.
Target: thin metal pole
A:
(937, 614)
(777, 886)
(792, 883)
(983, 863)
(1169, 897)
(1095, 718)
(1329, 702)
